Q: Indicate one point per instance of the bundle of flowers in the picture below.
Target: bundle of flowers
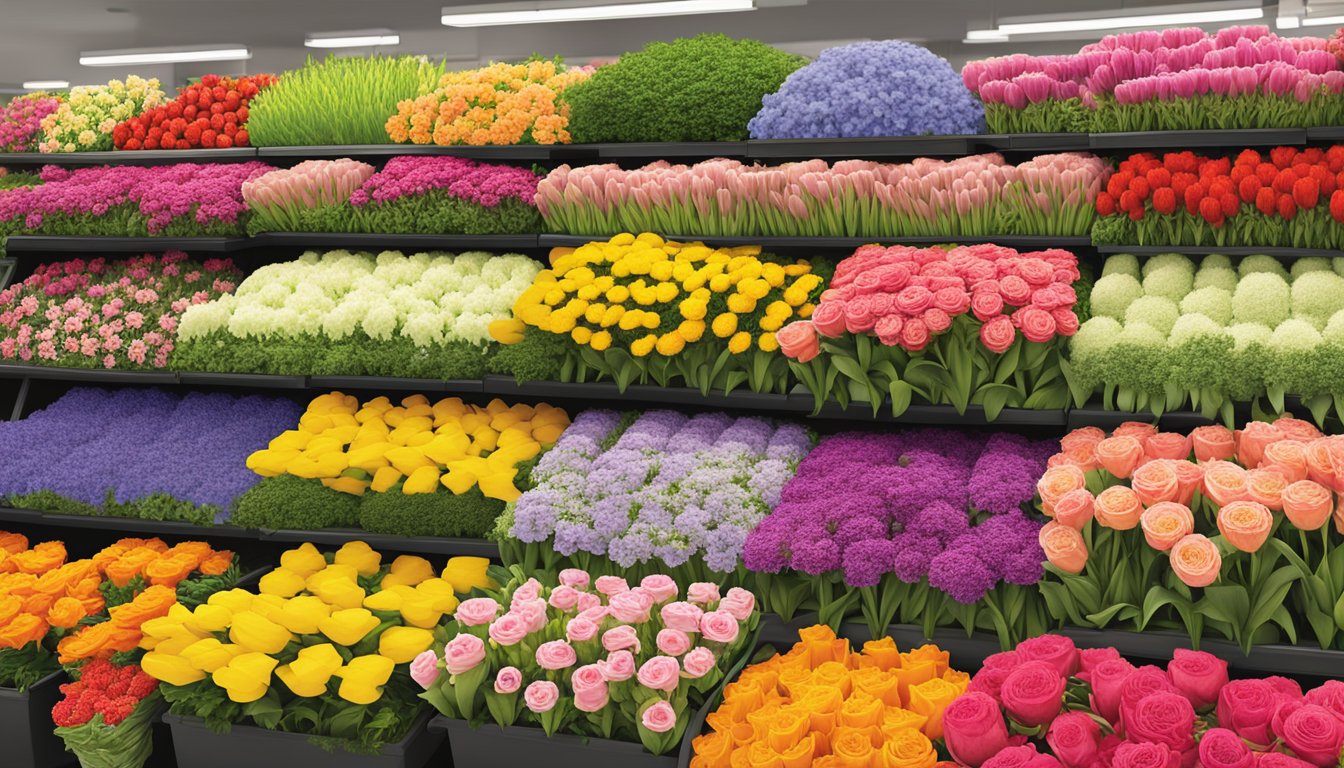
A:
(21, 121)
(496, 104)
(106, 715)
(659, 491)
(84, 121)
(338, 100)
(1169, 334)
(640, 308)
(102, 452)
(434, 469)
(31, 622)
(1176, 79)
(881, 88)
(182, 200)
(946, 323)
(321, 648)
(967, 197)
(590, 656)
(1092, 707)
(822, 705)
(211, 114)
(101, 314)
(286, 199)
(1215, 531)
(703, 88)
(924, 527)
(340, 313)
(1290, 197)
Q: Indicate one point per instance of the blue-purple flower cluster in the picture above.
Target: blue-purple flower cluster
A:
(136, 443)
(926, 504)
(670, 487)
(884, 88)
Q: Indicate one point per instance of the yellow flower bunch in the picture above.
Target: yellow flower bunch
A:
(311, 621)
(646, 295)
(84, 122)
(500, 104)
(418, 444)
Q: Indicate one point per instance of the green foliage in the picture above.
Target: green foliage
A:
(21, 667)
(436, 212)
(50, 501)
(536, 358)
(345, 100)
(114, 595)
(470, 515)
(161, 506)
(289, 502)
(16, 179)
(358, 355)
(194, 592)
(704, 88)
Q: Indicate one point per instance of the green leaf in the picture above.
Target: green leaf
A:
(994, 397)
(900, 396)
(1008, 364)
(1270, 596)
(1227, 603)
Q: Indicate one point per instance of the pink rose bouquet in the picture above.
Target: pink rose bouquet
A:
(589, 657)
(943, 325)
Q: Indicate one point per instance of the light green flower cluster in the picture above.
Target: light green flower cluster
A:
(1171, 333)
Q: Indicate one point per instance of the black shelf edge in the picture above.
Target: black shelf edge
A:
(258, 380)
(885, 146)
(136, 157)
(659, 150)
(1231, 250)
(124, 524)
(422, 545)
(394, 384)
(96, 244)
(1238, 138)
(12, 515)
(1096, 416)
(517, 152)
(1325, 133)
(944, 415)
(385, 241)
(1021, 241)
(97, 375)
(1273, 659)
(1049, 142)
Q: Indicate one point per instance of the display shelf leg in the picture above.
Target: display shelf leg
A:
(20, 399)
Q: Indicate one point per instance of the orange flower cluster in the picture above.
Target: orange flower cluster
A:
(822, 705)
(502, 104)
(159, 564)
(121, 632)
(39, 590)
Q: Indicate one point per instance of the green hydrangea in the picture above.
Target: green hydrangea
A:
(1215, 261)
(1167, 260)
(1262, 297)
(703, 88)
(1157, 311)
(1139, 359)
(1173, 282)
(1113, 294)
(1203, 349)
(1090, 348)
(1337, 264)
(1334, 328)
(1293, 346)
(1252, 265)
(1310, 264)
(1122, 264)
(1249, 361)
(1216, 277)
(1317, 296)
(1211, 302)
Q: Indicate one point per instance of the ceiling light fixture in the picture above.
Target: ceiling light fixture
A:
(174, 55)
(1157, 16)
(1321, 21)
(46, 85)
(541, 11)
(360, 38)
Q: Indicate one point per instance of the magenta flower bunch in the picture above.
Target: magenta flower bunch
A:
(106, 314)
(1239, 77)
(185, 199)
(21, 121)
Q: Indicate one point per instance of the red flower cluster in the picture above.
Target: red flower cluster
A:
(1287, 181)
(210, 115)
(103, 689)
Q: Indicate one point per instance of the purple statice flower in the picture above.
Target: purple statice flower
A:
(559, 476)
(961, 573)
(1003, 478)
(480, 183)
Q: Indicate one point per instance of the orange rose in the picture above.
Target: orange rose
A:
(712, 750)
(1120, 455)
(1137, 429)
(197, 550)
(852, 748)
(38, 604)
(1287, 456)
(10, 605)
(1081, 437)
(1265, 486)
(1118, 507)
(762, 719)
(1252, 440)
(87, 643)
(1225, 482)
(17, 584)
(760, 755)
(878, 684)
(799, 755)
(1196, 561)
(1166, 523)
(908, 749)
(39, 559)
(786, 729)
(1245, 524)
(823, 708)
(929, 652)
(1064, 547)
(129, 565)
(1297, 429)
(1167, 445)
(168, 571)
(895, 719)
(65, 613)
(861, 710)
(882, 653)
(1156, 482)
(150, 604)
(913, 672)
(1083, 457)
(1213, 443)
(1321, 462)
(13, 543)
(1075, 508)
(1307, 504)
(217, 564)
(1189, 478)
(930, 699)
(1056, 482)
(21, 630)
(834, 674)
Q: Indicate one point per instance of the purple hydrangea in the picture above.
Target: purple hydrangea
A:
(923, 504)
(883, 88)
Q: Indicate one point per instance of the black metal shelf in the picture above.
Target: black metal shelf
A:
(1231, 250)
(838, 243)
(515, 153)
(427, 545)
(101, 244)
(89, 375)
(1238, 138)
(136, 157)
(393, 240)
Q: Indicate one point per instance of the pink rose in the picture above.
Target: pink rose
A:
(1033, 693)
(1141, 683)
(463, 653)
(533, 612)
(1023, 756)
(953, 301)
(617, 667)
(986, 305)
(660, 673)
(594, 613)
(719, 627)
(1075, 508)
(1330, 695)
(1066, 322)
(659, 717)
(1315, 734)
(1199, 676)
(477, 611)
(698, 663)
(588, 601)
(556, 655)
(1221, 748)
(611, 585)
(660, 586)
(580, 630)
(530, 590)
(1162, 718)
(936, 320)
(563, 598)
(859, 317)
(630, 607)
(738, 603)
(590, 689)
(915, 335)
(1074, 737)
(619, 638)
(1146, 755)
(1090, 658)
(681, 616)
(888, 329)
(798, 340)
(425, 668)
(973, 729)
(541, 696)
(1056, 650)
(1036, 324)
(508, 680)
(998, 334)
(1015, 291)
(576, 578)
(914, 299)
(673, 642)
(509, 629)
(703, 593)
(829, 319)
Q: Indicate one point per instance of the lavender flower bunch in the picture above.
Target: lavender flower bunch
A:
(925, 526)
(139, 452)
(664, 490)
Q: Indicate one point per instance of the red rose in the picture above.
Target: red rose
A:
(1161, 718)
(1146, 755)
(1033, 693)
(973, 729)
(1314, 733)
(998, 334)
(1221, 748)
(987, 305)
(1246, 706)
(1074, 737)
(1199, 676)
(1056, 650)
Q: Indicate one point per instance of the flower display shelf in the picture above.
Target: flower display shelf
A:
(425, 545)
(245, 380)
(1033, 142)
(944, 415)
(838, 244)
(1180, 140)
(518, 153)
(1239, 250)
(382, 241)
(394, 384)
(490, 746)
(131, 526)
(844, 149)
(97, 375)
(1095, 416)
(649, 151)
(82, 245)
(138, 157)
(197, 746)
(25, 725)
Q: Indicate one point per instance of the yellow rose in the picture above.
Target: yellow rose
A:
(409, 570)
(363, 678)
(308, 674)
(348, 626)
(304, 560)
(246, 678)
(173, 670)
(467, 573)
(302, 614)
(258, 633)
(363, 557)
(206, 655)
(401, 644)
(281, 582)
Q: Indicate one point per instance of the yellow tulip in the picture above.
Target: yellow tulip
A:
(270, 462)
(173, 646)
(282, 582)
(407, 459)
(401, 644)
(409, 570)
(173, 670)
(359, 554)
(422, 480)
(269, 606)
(499, 485)
(208, 655)
(363, 678)
(348, 626)
(246, 678)
(384, 479)
(210, 618)
(304, 560)
(350, 485)
(447, 447)
(467, 573)
(388, 599)
(420, 610)
(507, 331)
(308, 674)
(234, 599)
(290, 440)
(302, 614)
(258, 633)
(441, 592)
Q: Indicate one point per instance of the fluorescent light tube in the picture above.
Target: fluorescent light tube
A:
(46, 85)
(1321, 21)
(985, 36)
(362, 38)
(539, 13)
(163, 55)
(1287, 22)
(1123, 22)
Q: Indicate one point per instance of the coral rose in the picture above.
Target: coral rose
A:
(1252, 440)
(798, 340)
(1196, 561)
(1245, 524)
(1266, 485)
(1064, 547)
(1213, 443)
(998, 334)
(1167, 445)
(1307, 504)
(1225, 482)
(1118, 507)
(1074, 509)
(1288, 457)
(1120, 455)
(1165, 524)
(1056, 482)
(1156, 482)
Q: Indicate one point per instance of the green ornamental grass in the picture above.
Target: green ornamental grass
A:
(338, 100)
